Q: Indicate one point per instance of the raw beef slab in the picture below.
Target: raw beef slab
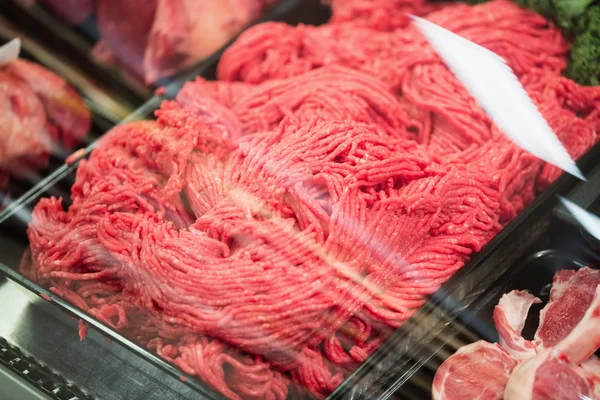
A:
(38, 112)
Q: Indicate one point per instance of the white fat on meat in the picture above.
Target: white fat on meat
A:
(509, 317)
(562, 280)
(592, 370)
(478, 371)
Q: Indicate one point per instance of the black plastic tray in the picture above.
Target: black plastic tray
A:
(392, 370)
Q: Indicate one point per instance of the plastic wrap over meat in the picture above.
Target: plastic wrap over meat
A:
(557, 364)
(270, 230)
(305, 223)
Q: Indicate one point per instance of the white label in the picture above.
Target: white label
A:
(10, 51)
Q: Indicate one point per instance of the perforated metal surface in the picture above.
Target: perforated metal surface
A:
(101, 369)
(14, 388)
(38, 376)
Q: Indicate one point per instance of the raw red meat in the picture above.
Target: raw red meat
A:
(557, 364)
(571, 296)
(38, 110)
(275, 50)
(24, 136)
(382, 15)
(592, 371)
(157, 38)
(267, 234)
(275, 207)
(126, 39)
(67, 114)
(545, 377)
(478, 371)
(555, 372)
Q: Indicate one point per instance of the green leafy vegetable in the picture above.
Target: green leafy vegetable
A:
(566, 11)
(543, 7)
(584, 62)
(580, 22)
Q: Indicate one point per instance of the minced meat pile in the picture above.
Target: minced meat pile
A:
(269, 230)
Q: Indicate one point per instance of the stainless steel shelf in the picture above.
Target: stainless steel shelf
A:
(14, 388)
(103, 369)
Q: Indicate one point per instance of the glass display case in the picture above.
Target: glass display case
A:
(290, 199)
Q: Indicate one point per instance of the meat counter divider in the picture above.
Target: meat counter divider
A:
(393, 362)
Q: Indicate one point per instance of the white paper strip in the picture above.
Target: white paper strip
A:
(10, 51)
(494, 85)
(589, 221)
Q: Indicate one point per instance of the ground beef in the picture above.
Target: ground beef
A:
(267, 234)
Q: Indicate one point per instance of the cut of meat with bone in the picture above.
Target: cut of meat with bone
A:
(477, 371)
(555, 372)
(570, 297)
(557, 364)
(509, 316)
(548, 377)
